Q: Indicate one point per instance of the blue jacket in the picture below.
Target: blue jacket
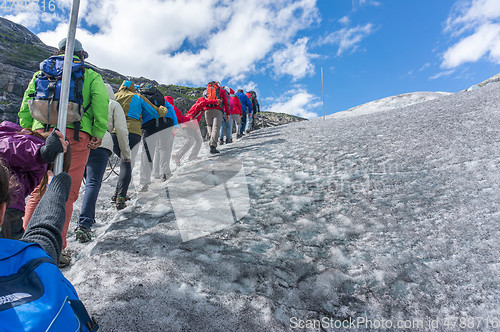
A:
(246, 104)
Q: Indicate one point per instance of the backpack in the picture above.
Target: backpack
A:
(35, 295)
(44, 106)
(152, 94)
(213, 92)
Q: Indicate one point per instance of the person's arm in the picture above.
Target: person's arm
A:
(120, 126)
(46, 223)
(225, 102)
(99, 97)
(25, 119)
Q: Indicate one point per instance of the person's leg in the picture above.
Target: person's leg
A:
(222, 131)
(149, 146)
(248, 122)
(96, 166)
(79, 156)
(243, 122)
(229, 128)
(126, 168)
(195, 135)
(209, 118)
(165, 147)
(156, 160)
(216, 117)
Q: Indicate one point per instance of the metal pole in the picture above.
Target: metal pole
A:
(68, 62)
(323, 93)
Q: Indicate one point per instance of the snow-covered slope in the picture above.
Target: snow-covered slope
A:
(391, 217)
(390, 103)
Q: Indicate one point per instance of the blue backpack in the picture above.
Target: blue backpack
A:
(44, 106)
(34, 294)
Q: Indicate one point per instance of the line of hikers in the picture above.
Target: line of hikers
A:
(109, 123)
(100, 122)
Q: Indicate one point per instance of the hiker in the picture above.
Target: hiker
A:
(29, 277)
(163, 152)
(27, 154)
(136, 108)
(153, 130)
(97, 163)
(226, 127)
(190, 125)
(236, 113)
(83, 134)
(255, 109)
(246, 108)
(214, 113)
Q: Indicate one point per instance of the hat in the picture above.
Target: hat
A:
(78, 47)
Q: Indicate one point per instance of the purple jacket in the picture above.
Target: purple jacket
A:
(21, 153)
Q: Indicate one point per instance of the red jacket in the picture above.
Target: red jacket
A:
(196, 111)
(180, 117)
(235, 105)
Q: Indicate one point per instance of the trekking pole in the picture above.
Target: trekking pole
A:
(66, 78)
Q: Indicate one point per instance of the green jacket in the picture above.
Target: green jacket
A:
(95, 119)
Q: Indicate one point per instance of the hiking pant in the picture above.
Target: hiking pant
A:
(152, 132)
(193, 140)
(94, 171)
(79, 156)
(236, 120)
(12, 227)
(214, 121)
(243, 122)
(248, 124)
(125, 167)
(225, 128)
(163, 153)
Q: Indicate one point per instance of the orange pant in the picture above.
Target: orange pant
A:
(79, 156)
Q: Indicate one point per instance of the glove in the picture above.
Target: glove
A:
(162, 111)
(51, 148)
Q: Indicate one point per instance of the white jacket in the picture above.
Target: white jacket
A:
(118, 123)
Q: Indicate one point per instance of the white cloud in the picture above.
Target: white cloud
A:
(348, 39)
(345, 20)
(477, 24)
(442, 74)
(193, 41)
(299, 103)
(293, 60)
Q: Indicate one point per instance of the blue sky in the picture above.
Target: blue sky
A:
(368, 49)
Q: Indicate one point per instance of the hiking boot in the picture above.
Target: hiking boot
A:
(83, 234)
(221, 142)
(120, 203)
(239, 136)
(247, 131)
(229, 141)
(64, 260)
(113, 198)
(213, 150)
(144, 188)
(176, 160)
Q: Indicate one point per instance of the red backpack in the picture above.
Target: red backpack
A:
(213, 92)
